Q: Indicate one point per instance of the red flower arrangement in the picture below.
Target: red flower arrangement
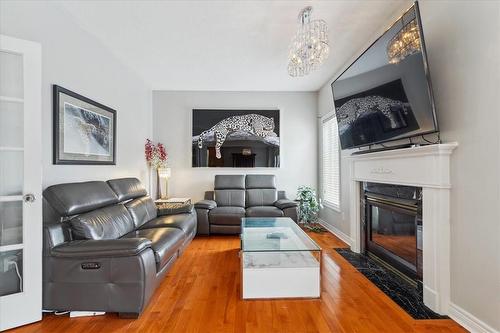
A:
(156, 155)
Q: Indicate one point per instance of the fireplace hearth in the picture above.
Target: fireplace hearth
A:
(392, 228)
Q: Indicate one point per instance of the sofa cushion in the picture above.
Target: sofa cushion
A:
(127, 188)
(226, 215)
(225, 182)
(261, 197)
(230, 198)
(142, 210)
(105, 223)
(260, 181)
(165, 242)
(264, 211)
(185, 222)
(77, 198)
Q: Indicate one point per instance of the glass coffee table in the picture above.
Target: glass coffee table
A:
(278, 260)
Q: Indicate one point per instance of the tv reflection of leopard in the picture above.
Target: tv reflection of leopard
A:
(374, 118)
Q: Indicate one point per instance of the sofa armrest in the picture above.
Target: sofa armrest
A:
(285, 203)
(124, 247)
(205, 204)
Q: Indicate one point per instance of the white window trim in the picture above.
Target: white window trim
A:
(331, 206)
(326, 203)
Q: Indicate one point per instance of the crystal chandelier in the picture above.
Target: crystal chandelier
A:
(405, 43)
(309, 47)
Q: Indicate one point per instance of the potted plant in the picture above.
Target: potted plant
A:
(309, 207)
(156, 157)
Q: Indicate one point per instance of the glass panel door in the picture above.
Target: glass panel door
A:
(20, 183)
(11, 173)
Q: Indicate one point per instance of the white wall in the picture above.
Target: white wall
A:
(74, 59)
(172, 112)
(463, 44)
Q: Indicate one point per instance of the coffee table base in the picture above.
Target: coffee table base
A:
(280, 275)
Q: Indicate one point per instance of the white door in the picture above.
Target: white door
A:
(20, 183)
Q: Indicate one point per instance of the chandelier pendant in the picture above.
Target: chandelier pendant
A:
(309, 47)
(405, 43)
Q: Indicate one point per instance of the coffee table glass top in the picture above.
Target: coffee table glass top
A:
(263, 234)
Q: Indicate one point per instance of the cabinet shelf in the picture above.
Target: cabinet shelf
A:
(11, 149)
(11, 99)
(12, 247)
(7, 198)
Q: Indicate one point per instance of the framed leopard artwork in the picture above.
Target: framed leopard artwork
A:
(236, 138)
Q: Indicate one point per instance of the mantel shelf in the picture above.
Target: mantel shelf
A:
(434, 149)
(424, 166)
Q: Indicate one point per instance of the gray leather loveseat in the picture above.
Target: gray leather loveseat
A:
(237, 196)
(105, 248)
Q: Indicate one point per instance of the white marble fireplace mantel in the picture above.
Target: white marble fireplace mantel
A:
(427, 167)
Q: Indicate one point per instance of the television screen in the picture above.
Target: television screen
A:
(386, 94)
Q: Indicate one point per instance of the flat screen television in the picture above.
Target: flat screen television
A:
(386, 93)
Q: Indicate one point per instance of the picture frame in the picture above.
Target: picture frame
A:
(235, 138)
(84, 131)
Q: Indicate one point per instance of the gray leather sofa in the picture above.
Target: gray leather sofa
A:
(237, 196)
(105, 248)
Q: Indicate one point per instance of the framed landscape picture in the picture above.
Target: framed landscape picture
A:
(84, 130)
(236, 138)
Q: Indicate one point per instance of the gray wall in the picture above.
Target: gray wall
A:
(172, 113)
(463, 43)
(74, 59)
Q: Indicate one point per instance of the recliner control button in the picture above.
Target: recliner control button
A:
(91, 265)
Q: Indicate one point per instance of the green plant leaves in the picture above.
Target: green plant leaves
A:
(308, 204)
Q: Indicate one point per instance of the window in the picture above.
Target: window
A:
(330, 162)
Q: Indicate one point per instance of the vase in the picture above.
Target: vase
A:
(163, 174)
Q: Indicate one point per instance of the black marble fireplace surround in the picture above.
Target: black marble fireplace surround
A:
(397, 288)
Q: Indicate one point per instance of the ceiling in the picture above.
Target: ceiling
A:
(227, 45)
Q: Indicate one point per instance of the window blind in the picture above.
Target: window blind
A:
(330, 163)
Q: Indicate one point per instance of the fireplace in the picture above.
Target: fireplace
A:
(428, 169)
(392, 228)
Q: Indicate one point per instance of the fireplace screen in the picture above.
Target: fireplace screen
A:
(394, 227)
(395, 232)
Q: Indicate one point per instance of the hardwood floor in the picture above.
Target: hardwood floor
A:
(202, 294)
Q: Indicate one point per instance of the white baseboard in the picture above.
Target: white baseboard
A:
(336, 231)
(469, 321)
